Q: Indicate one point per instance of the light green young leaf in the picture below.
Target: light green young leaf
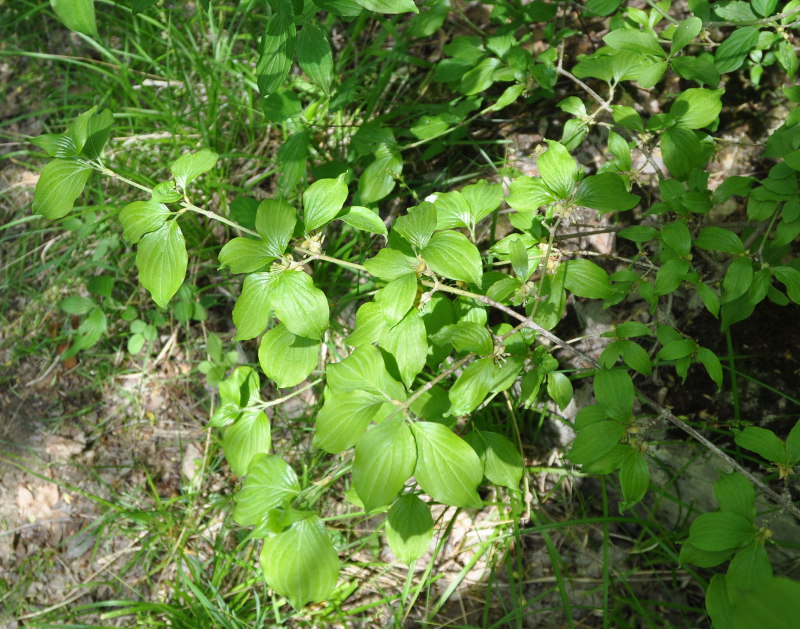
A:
(161, 259)
(483, 198)
(292, 157)
(466, 336)
(314, 56)
(270, 483)
(472, 386)
(763, 442)
(364, 219)
(389, 264)
(371, 323)
(448, 469)
(142, 217)
(252, 309)
(418, 225)
(98, 130)
(528, 194)
(301, 306)
(605, 192)
(559, 388)
(344, 417)
(245, 255)
(638, 41)
(77, 15)
(190, 166)
(76, 305)
(734, 49)
(389, 6)
(275, 222)
(559, 169)
(286, 358)
(451, 254)
(502, 462)
(409, 528)
(687, 30)
(57, 145)
(378, 179)
(697, 107)
(301, 562)
(479, 78)
(384, 460)
(364, 370)
(60, 183)
(397, 298)
(277, 50)
(249, 436)
(322, 201)
(408, 343)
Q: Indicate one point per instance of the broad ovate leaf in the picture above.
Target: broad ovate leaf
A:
(301, 562)
(450, 254)
(245, 255)
(189, 167)
(248, 436)
(301, 306)
(60, 183)
(286, 358)
(409, 528)
(161, 259)
(408, 343)
(314, 56)
(448, 469)
(142, 217)
(322, 201)
(558, 169)
(275, 221)
(384, 461)
(252, 309)
(270, 483)
(344, 418)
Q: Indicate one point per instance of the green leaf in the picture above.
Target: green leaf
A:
(57, 145)
(687, 30)
(559, 388)
(638, 41)
(734, 49)
(634, 478)
(408, 343)
(763, 442)
(397, 298)
(789, 277)
(605, 192)
(76, 305)
(773, 604)
(749, 568)
(697, 107)
(585, 279)
(301, 306)
(614, 391)
(364, 219)
(451, 254)
(323, 200)
(558, 169)
(702, 558)
(472, 386)
(676, 236)
(720, 530)
(738, 278)
(734, 493)
(711, 362)
(418, 225)
(77, 15)
(466, 336)
(677, 349)
(479, 78)
(635, 356)
(275, 222)
(595, 440)
(502, 462)
(483, 198)
(718, 239)
(60, 183)
(245, 255)
(190, 166)
(252, 309)
(301, 563)
(161, 259)
(409, 528)
(448, 469)
(389, 6)
(793, 445)
(378, 179)
(681, 151)
(390, 264)
(528, 194)
(384, 460)
(248, 436)
(286, 358)
(364, 370)
(142, 217)
(314, 56)
(344, 417)
(627, 117)
(270, 483)
(700, 69)
(292, 159)
(370, 325)
(277, 50)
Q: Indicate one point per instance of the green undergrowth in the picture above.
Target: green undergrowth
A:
(357, 244)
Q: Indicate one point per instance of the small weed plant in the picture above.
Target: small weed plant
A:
(414, 303)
